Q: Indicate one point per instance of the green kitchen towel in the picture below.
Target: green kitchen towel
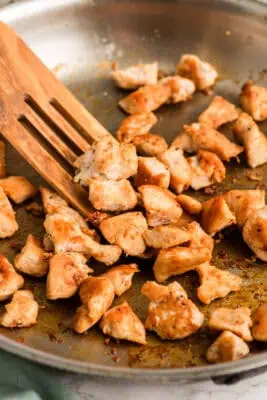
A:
(24, 380)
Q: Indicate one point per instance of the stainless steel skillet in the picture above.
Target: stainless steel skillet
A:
(80, 40)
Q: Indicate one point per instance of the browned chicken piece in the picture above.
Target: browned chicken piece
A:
(202, 73)
(259, 330)
(215, 283)
(216, 215)
(150, 144)
(10, 281)
(126, 231)
(236, 320)
(2, 159)
(66, 273)
(160, 204)
(51, 201)
(21, 312)
(33, 259)
(179, 168)
(219, 112)
(153, 291)
(106, 159)
(147, 98)
(121, 322)
(206, 138)
(185, 142)
(189, 204)
(136, 124)
(255, 233)
(152, 172)
(114, 196)
(165, 236)
(228, 347)
(18, 188)
(136, 76)
(182, 89)
(121, 277)
(8, 223)
(207, 169)
(199, 237)
(253, 100)
(243, 202)
(97, 295)
(252, 138)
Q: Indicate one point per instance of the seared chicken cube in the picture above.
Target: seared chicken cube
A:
(181, 88)
(259, 330)
(150, 144)
(179, 168)
(21, 312)
(202, 74)
(216, 215)
(206, 138)
(2, 159)
(152, 172)
(126, 230)
(199, 238)
(147, 98)
(243, 202)
(185, 142)
(160, 204)
(136, 124)
(33, 259)
(228, 347)
(66, 273)
(207, 169)
(253, 100)
(18, 188)
(215, 283)
(8, 223)
(189, 204)
(136, 76)
(219, 112)
(106, 159)
(121, 277)
(121, 322)
(51, 201)
(255, 233)
(10, 281)
(97, 295)
(165, 236)
(114, 196)
(252, 138)
(153, 291)
(236, 320)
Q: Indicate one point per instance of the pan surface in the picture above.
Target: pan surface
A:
(80, 40)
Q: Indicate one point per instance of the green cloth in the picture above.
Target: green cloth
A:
(24, 380)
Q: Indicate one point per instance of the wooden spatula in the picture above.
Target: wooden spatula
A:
(39, 116)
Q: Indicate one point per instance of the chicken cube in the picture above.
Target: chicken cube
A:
(147, 98)
(136, 124)
(21, 312)
(8, 223)
(121, 322)
(52, 202)
(33, 259)
(216, 215)
(252, 138)
(199, 237)
(255, 233)
(189, 204)
(2, 159)
(10, 281)
(150, 144)
(114, 196)
(184, 142)
(136, 76)
(182, 89)
(66, 273)
(179, 168)
(219, 112)
(207, 169)
(253, 100)
(165, 236)
(121, 277)
(126, 230)
(215, 283)
(202, 73)
(153, 291)
(228, 347)
(236, 320)
(259, 330)
(18, 188)
(160, 204)
(152, 172)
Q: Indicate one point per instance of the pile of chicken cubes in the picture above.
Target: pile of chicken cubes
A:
(136, 185)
